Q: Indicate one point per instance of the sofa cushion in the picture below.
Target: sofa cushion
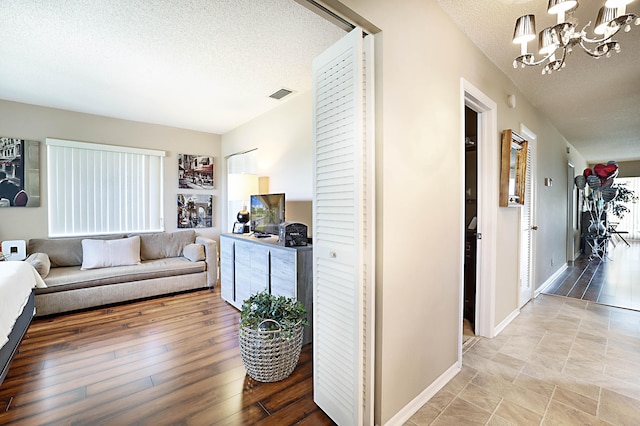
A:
(72, 277)
(108, 253)
(159, 245)
(194, 252)
(63, 251)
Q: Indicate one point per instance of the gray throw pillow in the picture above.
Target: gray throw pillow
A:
(194, 252)
(41, 263)
(160, 245)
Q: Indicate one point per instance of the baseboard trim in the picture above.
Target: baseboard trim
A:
(505, 322)
(550, 280)
(402, 416)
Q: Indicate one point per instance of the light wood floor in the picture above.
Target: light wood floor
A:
(614, 281)
(172, 360)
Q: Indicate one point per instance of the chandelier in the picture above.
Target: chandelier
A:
(557, 41)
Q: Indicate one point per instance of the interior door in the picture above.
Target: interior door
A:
(343, 239)
(526, 229)
(571, 213)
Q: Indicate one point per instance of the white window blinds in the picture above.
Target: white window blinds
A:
(103, 189)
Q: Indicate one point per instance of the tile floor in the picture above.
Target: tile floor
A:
(560, 362)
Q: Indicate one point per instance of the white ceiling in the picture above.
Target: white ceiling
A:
(206, 65)
(210, 65)
(595, 104)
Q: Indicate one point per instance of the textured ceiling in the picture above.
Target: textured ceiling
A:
(595, 104)
(206, 65)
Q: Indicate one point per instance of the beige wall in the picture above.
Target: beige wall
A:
(419, 162)
(629, 169)
(37, 123)
(284, 141)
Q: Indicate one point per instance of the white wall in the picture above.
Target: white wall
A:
(284, 141)
(37, 123)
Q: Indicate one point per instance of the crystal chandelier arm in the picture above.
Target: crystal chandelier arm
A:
(584, 38)
(588, 51)
(522, 59)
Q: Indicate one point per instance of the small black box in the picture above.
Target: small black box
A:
(292, 234)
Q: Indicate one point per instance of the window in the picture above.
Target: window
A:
(242, 182)
(102, 189)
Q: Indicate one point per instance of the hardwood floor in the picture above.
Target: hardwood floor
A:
(171, 360)
(614, 282)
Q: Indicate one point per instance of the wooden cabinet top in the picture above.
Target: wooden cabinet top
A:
(271, 241)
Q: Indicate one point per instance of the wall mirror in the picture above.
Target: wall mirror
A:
(513, 171)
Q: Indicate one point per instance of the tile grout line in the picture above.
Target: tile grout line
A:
(546, 410)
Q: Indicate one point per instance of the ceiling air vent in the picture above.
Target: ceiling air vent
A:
(281, 93)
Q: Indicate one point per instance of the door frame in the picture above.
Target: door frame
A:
(571, 212)
(488, 153)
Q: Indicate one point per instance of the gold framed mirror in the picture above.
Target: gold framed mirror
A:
(513, 169)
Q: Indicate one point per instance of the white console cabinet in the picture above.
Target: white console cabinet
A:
(249, 265)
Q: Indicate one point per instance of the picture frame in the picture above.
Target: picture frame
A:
(19, 172)
(238, 228)
(195, 211)
(196, 171)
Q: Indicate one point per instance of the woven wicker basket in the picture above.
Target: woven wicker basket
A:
(270, 355)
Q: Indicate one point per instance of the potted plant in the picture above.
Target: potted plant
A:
(270, 335)
(624, 195)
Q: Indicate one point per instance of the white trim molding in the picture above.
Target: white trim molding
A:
(416, 404)
(550, 280)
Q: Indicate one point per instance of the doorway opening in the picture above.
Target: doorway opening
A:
(471, 223)
(487, 208)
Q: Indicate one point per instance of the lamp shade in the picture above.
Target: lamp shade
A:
(605, 15)
(241, 186)
(525, 29)
(617, 3)
(547, 41)
(557, 6)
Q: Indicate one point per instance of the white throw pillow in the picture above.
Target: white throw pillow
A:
(105, 253)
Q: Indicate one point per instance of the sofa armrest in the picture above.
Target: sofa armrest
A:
(211, 257)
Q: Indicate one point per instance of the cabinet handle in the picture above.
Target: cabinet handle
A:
(333, 254)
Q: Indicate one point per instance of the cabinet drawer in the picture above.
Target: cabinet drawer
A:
(259, 281)
(226, 248)
(243, 253)
(283, 286)
(243, 283)
(226, 272)
(260, 259)
(283, 263)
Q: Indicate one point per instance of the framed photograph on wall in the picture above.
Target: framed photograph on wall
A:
(195, 211)
(195, 172)
(19, 173)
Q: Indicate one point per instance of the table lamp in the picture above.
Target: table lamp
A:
(240, 188)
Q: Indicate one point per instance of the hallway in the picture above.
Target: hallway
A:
(614, 282)
(562, 361)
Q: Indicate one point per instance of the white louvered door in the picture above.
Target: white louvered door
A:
(343, 231)
(526, 223)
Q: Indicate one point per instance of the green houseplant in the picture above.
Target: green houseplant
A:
(624, 195)
(270, 335)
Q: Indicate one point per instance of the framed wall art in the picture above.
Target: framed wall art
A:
(195, 211)
(195, 172)
(19, 173)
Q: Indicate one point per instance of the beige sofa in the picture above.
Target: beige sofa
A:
(88, 272)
